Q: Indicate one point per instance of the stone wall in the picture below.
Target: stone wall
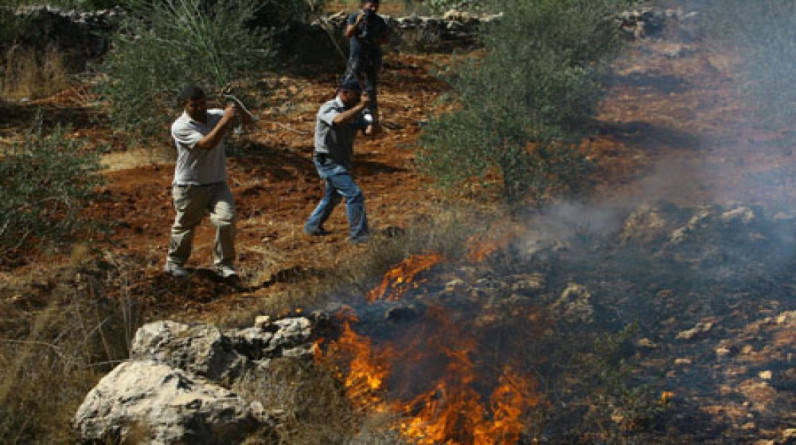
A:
(82, 37)
(79, 37)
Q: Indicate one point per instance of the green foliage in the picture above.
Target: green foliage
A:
(46, 180)
(762, 33)
(616, 406)
(167, 44)
(11, 25)
(525, 107)
(277, 13)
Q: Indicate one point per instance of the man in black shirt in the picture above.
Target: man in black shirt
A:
(366, 32)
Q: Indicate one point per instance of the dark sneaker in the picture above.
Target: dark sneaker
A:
(362, 239)
(175, 270)
(226, 272)
(317, 232)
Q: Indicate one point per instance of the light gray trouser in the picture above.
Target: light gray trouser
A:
(190, 203)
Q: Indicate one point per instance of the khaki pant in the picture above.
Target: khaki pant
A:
(191, 202)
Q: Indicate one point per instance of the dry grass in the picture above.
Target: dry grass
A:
(137, 157)
(306, 400)
(31, 74)
(58, 337)
(358, 269)
(60, 333)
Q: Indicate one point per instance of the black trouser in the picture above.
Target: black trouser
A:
(365, 67)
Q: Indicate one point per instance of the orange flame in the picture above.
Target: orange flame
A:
(481, 246)
(509, 401)
(451, 411)
(367, 370)
(456, 407)
(398, 280)
(452, 415)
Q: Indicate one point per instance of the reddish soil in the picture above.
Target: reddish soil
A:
(274, 182)
(670, 129)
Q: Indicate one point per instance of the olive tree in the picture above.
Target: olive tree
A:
(525, 103)
(165, 44)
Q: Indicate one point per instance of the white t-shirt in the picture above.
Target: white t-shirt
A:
(196, 166)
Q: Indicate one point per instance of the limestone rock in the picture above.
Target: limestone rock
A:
(149, 402)
(574, 305)
(702, 327)
(200, 349)
(741, 215)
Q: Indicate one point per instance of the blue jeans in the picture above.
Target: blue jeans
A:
(339, 184)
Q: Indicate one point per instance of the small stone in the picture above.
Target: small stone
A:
(262, 321)
(765, 375)
(686, 335)
(702, 327)
(682, 361)
(743, 215)
(786, 317)
(645, 343)
(722, 351)
(455, 285)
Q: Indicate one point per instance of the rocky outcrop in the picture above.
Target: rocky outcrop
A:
(653, 22)
(175, 388)
(149, 402)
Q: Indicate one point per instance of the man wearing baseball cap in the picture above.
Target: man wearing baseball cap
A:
(337, 124)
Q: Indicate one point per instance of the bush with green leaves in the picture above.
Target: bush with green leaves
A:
(763, 35)
(526, 104)
(278, 13)
(12, 25)
(165, 45)
(46, 180)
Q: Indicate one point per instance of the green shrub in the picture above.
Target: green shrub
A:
(12, 25)
(46, 180)
(166, 44)
(277, 13)
(526, 105)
